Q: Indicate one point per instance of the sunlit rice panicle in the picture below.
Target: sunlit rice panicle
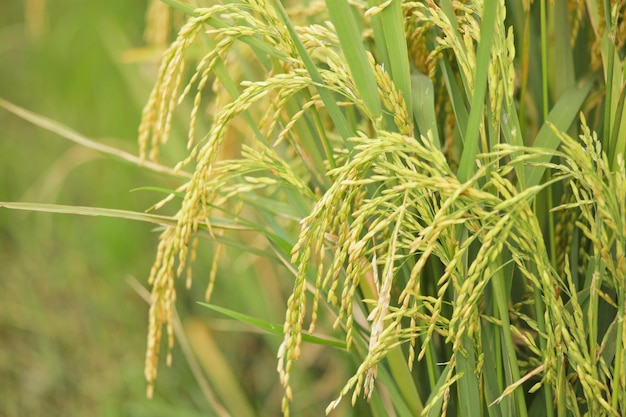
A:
(599, 193)
(392, 99)
(173, 252)
(377, 207)
(157, 114)
(173, 249)
(420, 177)
(158, 24)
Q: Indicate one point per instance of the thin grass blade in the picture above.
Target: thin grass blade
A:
(272, 328)
(467, 165)
(561, 117)
(104, 212)
(70, 134)
(424, 106)
(395, 40)
(343, 19)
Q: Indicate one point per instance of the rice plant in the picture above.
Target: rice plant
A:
(444, 180)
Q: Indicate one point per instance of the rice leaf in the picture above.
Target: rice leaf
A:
(393, 30)
(467, 165)
(424, 106)
(343, 19)
(561, 117)
(105, 212)
(68, 133)
(276, 329)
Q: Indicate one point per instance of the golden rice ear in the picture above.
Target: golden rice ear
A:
(158, 24)
(406, 218)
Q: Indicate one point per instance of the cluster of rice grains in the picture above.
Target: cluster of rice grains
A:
(383, 221)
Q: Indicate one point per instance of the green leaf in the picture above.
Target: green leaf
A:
(395, 40)
(456, 97)
(467, 165)
(403, 379)
(562, 76)
(354, 51)
(91, 211)
(218, 223)
(70, 134)
(160, 190)
(561, 117)
(391, 385)
(435, 407)
(424, 105)
(276, 329)
(185, 8)
(617, 144)
(468, 384)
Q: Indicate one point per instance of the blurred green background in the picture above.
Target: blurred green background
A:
(72, 331)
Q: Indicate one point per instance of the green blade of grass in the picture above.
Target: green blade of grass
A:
(492, 371)
(70, 134)
(395, 40)
(424, 106)
(379, 39)
(281, 240)
(563, 71)
(617, 143)
(216, 222)
(273, 206)
(435, 405)
(468, 384)
(226, 383)
(243, 246)
(561, 117)
(185, 8)
(377, 406)
(544, 58)
(353, 49)
(92, 211)
(399, 370)
(272, 328)
(309, 131)
(392, 386)
(502, 302)
(446, 7)
(619, 392)
(608, 47)
(456, 97)
(467, 165)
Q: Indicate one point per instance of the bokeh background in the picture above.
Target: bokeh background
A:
(72, 330)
